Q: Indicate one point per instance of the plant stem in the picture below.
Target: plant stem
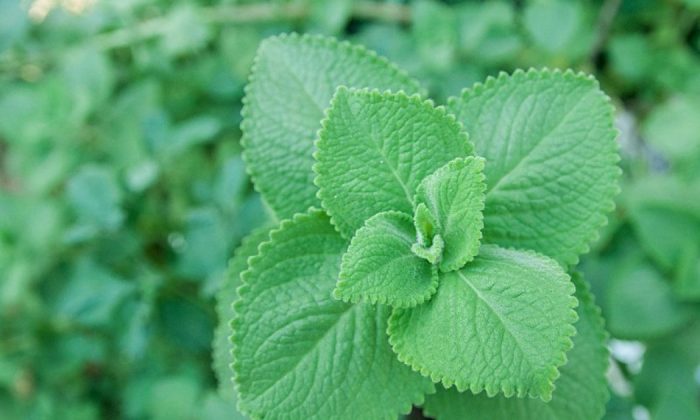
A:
(608, 11)
(249, 14)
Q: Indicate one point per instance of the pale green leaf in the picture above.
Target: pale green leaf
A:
(673, 128)
(298, 352)
(580, 394)
(501, 324)
(221, 352)
(429, 244)
(425, 224)
(663, 217)
(552, 26)
(686, 284)
(379, 266)
(549, 141)
(292, 82)
(454, 194)
(640, 303)
(433, 252)
(375, 148)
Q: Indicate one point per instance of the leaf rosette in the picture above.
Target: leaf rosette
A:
(456, 245)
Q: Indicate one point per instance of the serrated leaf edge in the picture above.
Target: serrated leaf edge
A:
(458, 163)
(244, 243)
(239, 303)
(383, 300)
(429, 104)
(613, 189)
(586, 296)
(542, 390)
(417, 398)
(248, 91)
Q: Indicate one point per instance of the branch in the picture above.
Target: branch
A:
(247, 14)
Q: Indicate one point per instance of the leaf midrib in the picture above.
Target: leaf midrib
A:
(311, 350)
(501, 319)
(373, 141)
(536, 146)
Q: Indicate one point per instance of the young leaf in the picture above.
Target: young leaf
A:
(581, 391)
(298, 352)
(455, 195)
(375, 148)
(224, 309)
(379, 266)
(549, 141)
(640, 303)
(425, 224)
(292, 82)
(501, 323)
(432, 252)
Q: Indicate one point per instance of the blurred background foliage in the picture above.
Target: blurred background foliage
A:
(123, 194)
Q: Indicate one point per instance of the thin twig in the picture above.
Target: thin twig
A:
(248, 14)
(608, 11)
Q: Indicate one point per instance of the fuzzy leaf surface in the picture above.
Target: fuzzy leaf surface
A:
(502, 323)
(454, 194)
(299, 353)
(581, 391)
(292, 82)
(552, 171)
(224, 308)
(374, 150)
(379, 266)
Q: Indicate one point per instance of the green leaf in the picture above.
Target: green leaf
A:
(292, 82)
(224, 309)
(375, 148)
(425, 224)
(454, 194)
(549, 141)
(91, 296)
(95, 196)
(640, 304)
(501, 323)
(301, 354)
(379, 266)
(433, 252)
(686, 284)
(435, 30)
(429, 245)
(663, 217)
(674, 129)
(553, 26)
(581, 392)
(667, 383)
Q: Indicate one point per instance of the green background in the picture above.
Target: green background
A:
(123, 194)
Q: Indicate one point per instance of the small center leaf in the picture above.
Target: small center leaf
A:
(379, 266)
(454, 196)
(433, 252)
(375, 148)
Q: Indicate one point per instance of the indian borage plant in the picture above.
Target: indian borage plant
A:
(396, 221)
